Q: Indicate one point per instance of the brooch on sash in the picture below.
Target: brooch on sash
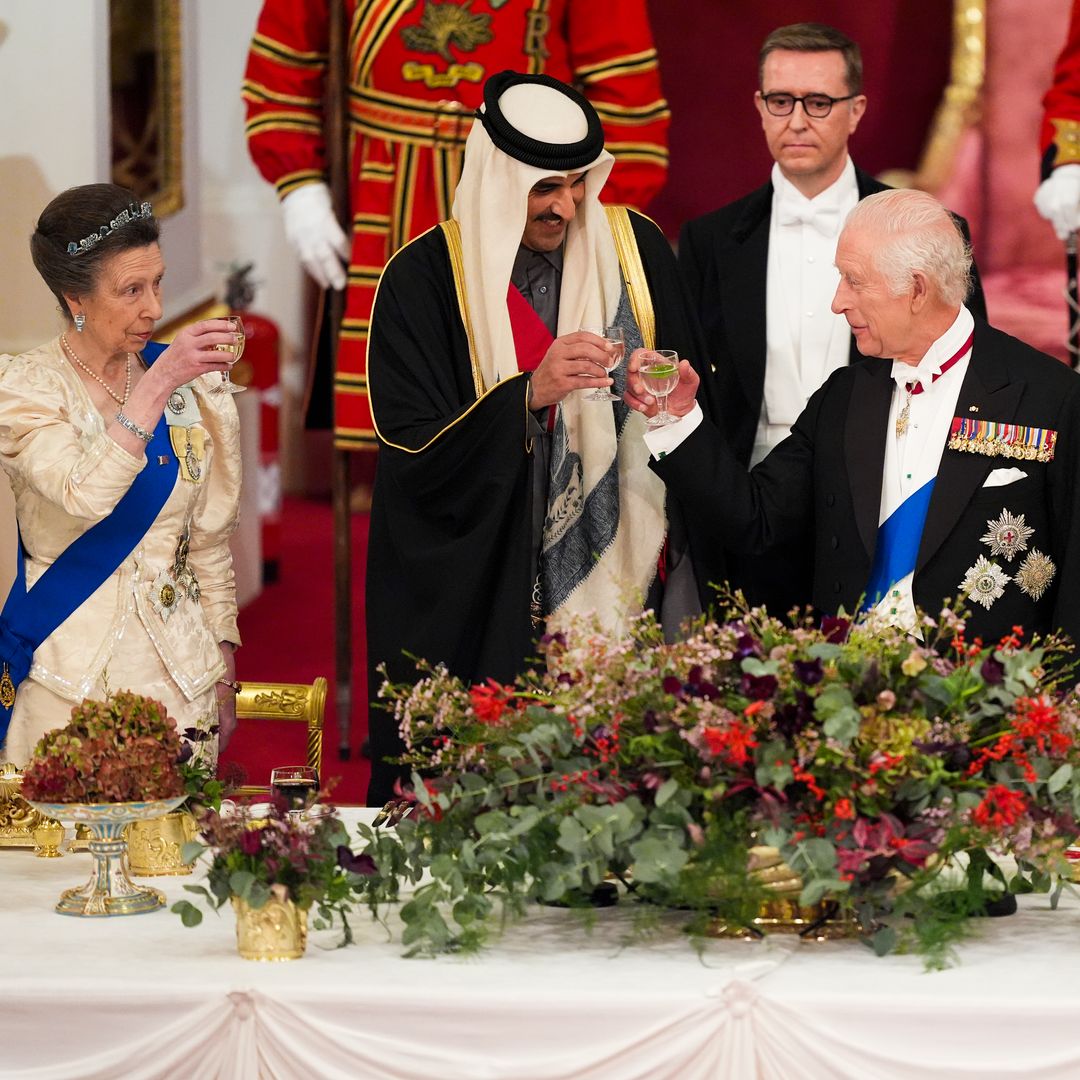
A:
(188, 440)
(7, 689)
(985, 582)
(998, 439)
(189, 445)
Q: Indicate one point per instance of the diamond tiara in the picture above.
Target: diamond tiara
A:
(132, 213)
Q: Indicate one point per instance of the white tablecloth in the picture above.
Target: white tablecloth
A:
(145, 997)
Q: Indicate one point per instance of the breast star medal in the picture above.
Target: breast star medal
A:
(984, 582)
(165, 595)
(1007, 535)
(1035, 574)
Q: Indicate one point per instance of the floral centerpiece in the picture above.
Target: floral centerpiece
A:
(122, 749)
(113, 765)
(878, 766)
(275, 861)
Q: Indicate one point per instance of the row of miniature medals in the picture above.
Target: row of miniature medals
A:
(188, 441)
(1008, 535)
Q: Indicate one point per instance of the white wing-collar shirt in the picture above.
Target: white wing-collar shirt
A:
(805, 342)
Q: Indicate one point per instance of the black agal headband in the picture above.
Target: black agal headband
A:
(558, 157)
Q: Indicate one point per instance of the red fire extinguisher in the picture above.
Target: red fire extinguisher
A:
(259, 367)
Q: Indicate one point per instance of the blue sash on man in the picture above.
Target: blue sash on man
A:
(897, 546)
(29, 617)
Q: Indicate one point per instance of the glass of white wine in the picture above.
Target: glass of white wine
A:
(227, 386)
(659, 372)
(615, 347)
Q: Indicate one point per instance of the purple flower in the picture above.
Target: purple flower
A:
(793, 718)
(746, 646)
(355, 864)
(809, 672)
(992, 671)
(672, 685)
(835, 629)
(195, 735)
(649, 721)
(758, 687)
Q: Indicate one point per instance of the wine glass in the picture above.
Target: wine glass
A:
(659, 372)
(298, 785)
(227, 386)
(615, 347)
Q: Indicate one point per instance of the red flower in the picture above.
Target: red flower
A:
(734, 742)
(1000, 807)
(844, 809)
(251, 841)
(490, 700)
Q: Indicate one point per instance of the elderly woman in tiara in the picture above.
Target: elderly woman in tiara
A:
(125, 466)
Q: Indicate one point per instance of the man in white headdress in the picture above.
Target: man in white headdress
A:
(504, 499)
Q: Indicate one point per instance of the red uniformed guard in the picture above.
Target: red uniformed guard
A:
(1058, 197)
(416, 74)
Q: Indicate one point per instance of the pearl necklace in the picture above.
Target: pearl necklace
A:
(121, 401)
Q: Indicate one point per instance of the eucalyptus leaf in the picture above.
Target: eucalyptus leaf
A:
(666, 790)
(1059, 779)
(240, 882)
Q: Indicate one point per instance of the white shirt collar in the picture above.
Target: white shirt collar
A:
(941, 350)
(833, 197)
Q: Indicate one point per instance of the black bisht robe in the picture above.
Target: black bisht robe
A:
(450, 565)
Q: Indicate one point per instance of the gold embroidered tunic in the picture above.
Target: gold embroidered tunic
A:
(67, 474)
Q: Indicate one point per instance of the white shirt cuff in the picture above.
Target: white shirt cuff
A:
(662, 441)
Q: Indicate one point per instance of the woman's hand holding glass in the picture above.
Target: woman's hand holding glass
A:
(198, 349)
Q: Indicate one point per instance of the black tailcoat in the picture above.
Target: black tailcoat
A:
(723, 257)
(823, 483)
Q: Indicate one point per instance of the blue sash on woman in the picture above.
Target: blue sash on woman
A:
(29, 617)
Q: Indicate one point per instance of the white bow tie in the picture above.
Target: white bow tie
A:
(825, 220)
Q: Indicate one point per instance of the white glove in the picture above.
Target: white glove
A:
(314, 232)
(1058, 199)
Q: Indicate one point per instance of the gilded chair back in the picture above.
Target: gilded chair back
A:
(300, 703)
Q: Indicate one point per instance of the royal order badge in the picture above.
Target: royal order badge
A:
(165, 594)
(1008, 535)
(985, 582)
(1035, 574)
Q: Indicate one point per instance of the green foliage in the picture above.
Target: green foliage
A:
(252, 858)
(859, 766)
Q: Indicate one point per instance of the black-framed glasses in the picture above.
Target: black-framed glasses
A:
(816, 105)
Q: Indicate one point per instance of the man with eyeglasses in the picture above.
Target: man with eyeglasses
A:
(760, 272)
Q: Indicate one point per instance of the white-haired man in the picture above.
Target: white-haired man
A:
(947, 466)
(759, 273)
(504, 497)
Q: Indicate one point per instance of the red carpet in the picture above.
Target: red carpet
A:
(288, 633)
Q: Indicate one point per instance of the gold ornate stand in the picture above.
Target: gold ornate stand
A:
(781, 912)
(18, 818)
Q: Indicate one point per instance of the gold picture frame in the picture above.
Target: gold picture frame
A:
(146, 98)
